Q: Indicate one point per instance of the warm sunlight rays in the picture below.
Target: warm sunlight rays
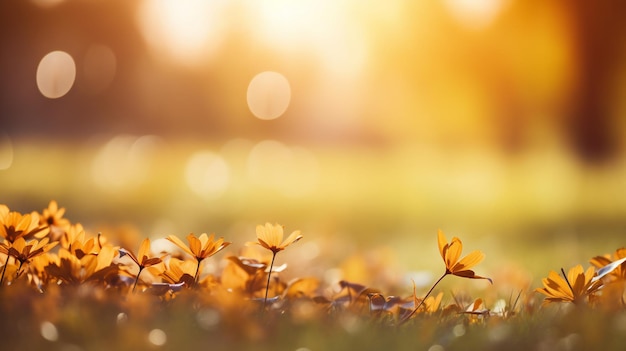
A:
(475, 14)
(330, 31)
(190, 31)
(187, 31)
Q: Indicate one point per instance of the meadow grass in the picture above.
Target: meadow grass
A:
(66, 288)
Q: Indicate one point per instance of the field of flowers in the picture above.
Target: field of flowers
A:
(63, 288)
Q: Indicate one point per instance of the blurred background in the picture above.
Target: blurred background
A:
(363, 124)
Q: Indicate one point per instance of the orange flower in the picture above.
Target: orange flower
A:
(24, 251)
(200, 248)
(450, 252)
(14, 225)
(52, 216)
(573, 287)
(74, 241)
(271, 237)
(142, 259)
(179, 271)
(70, 269)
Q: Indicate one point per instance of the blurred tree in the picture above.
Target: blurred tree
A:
(599, 29)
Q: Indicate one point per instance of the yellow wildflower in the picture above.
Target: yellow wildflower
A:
(573, 287)
(271, 237)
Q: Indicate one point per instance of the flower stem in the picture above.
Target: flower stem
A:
(195, 277)
(17, 273)
(137, 279)
(405, 319)
(269, 274)
(4, 269)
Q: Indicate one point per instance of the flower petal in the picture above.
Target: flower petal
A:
(144, 251)
(261, 233)
(469, 261)
(452, 252)
(441, 242)
(174, 239)
(194, 245)
(275, 234)
(471, 275)
(293, 237)
(265, 245)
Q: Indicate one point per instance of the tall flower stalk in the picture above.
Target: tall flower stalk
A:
(142, 260)
(451, 252)
(271, 238)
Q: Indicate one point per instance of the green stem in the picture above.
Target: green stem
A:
(405, 319)
(195, 277)
(137, 279)
(269, 274)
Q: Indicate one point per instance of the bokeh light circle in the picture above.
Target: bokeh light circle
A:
(475, 14)
(100, 64)
(49, 331)
(157, 337)
(124, 162)
(56, 74)
(292, 171)
(207, 174)
(269, 95)
(184, 31)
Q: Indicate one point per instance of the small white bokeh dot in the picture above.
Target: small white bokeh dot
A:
(157, 337)
(49, 331)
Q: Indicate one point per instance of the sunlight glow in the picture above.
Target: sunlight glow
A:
(186, 30)
(329, 31)
(292, 171)
(124, 161)
(56, 74)
(207, 174)
(157, 337)
(268, 95)
(475, 14)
